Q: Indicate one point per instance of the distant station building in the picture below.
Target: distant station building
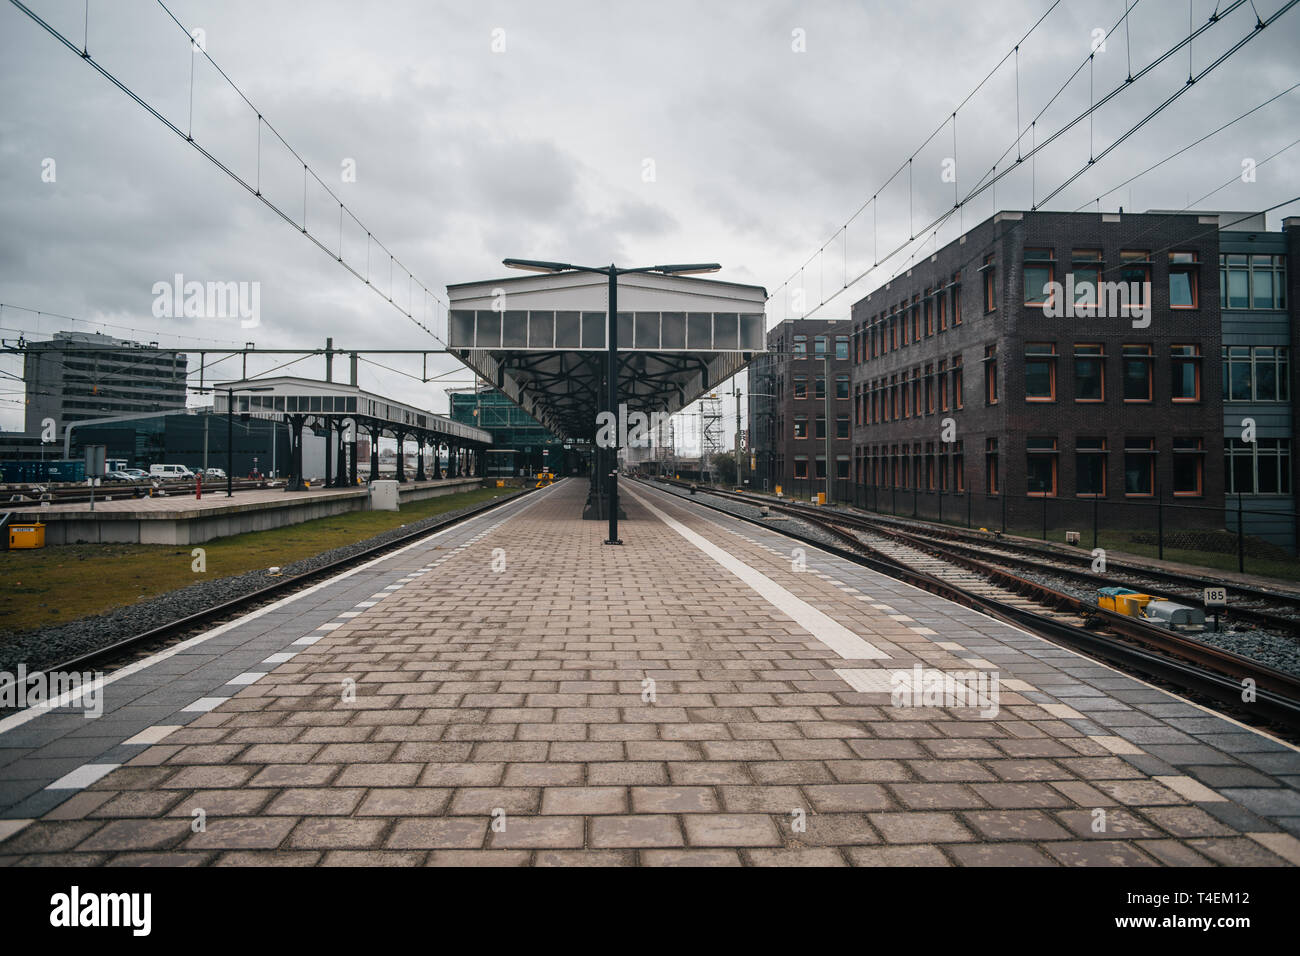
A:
(78, 376)
(789, 393)
(521, 446)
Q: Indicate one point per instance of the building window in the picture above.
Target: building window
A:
(1040, 372)
(1256, 373)
(819, 346)
(801, 466)
(1186, 367)
(1041, 465)
(929, 389)
(1090, 467)
(842, 426)
(1189, 467)
(990, 375)
(958, 468)
(941, 306)
(991, 465)
(1137, 373)
(929, 312)
(990, 284)
(801, 426)
(957, 383)
(800, 346)
(1261, 467)
(942, 374)
(841, 386)
(819, 388)
(821, 466)
(1183, 280)
(1252, 281)
(841, 466)
(841, 346)
(820, 427)
(1040, 272)
(1139, 466)
(956, 299)
(1086, 266)
(801, 386)
(1135, 274)
(1089, 373)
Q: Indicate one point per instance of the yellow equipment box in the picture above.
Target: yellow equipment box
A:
(1123, 603)
(26, 536)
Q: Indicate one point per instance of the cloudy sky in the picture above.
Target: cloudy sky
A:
(741, 131)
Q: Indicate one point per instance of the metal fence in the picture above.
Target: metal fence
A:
(1225, 537)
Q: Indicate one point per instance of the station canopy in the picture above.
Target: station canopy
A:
(334, 402)
(541, 340)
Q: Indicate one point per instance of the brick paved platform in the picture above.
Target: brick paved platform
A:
(516, 692)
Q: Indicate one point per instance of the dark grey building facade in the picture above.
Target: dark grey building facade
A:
(71, 378)
(800, 407)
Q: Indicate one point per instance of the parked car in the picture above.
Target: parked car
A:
(213, 474)
(165, 472)
(137, 474)
(120, 476)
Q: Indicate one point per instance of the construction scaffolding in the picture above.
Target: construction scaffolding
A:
(712, 439)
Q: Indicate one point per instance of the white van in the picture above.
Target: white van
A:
(169, 471)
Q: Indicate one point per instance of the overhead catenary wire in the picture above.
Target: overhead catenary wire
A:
(252, 188)
(989, 180)
(906, 164)
(1189, 146)
(1014, 53)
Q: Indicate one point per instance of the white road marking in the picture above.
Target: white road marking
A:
(204, 704)
(825, 629)
(151, 735)
(83, 776)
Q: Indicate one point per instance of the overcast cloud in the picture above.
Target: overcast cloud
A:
(465, 155)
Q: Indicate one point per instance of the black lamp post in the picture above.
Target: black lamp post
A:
(230, 433)
(611, 345)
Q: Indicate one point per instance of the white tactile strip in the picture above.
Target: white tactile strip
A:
(821, 626)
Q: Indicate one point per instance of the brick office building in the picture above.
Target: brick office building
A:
(1125, 406)
(789, 424)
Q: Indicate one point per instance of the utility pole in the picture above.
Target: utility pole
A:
(830, 494)
(739, 466)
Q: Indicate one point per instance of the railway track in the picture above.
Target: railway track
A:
(121, 653)
(1174, 659)
(1259, 607)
